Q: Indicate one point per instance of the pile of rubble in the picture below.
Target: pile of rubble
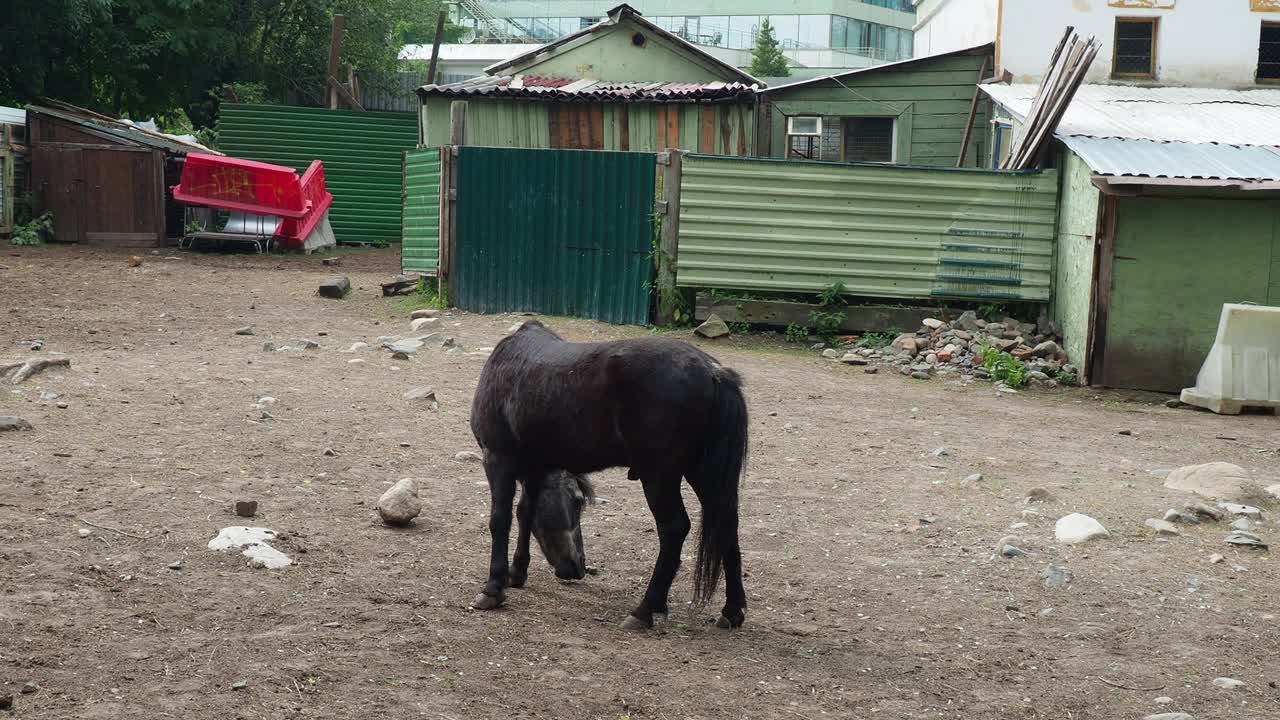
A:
(942, 348)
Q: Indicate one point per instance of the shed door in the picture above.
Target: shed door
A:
(126, 197)
(60, 174)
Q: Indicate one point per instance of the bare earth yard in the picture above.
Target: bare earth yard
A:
(873, 591)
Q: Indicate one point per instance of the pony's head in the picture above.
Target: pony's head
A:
(557, 522)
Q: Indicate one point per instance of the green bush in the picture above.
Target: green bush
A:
(1003, 366)
(34, 232)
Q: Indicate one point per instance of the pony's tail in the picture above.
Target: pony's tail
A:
(718, 473)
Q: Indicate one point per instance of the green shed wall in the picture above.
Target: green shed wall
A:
(362, 154)
(611, 56)
(517, 123)
(1074, 256)
(1177, 260)
(931, 100)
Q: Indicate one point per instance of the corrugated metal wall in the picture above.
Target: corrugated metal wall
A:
(420, 243)
(563, 232)
(361, 151)
(884, 231)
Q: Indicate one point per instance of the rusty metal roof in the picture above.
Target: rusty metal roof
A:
(115, 127)
(586, 89)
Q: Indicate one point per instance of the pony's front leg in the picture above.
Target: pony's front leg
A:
(524, 526)
(502, 492)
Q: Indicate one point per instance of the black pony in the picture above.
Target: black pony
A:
(659, 407)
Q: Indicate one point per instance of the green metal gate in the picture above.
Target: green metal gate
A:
(562, 232)
(420, 239)
(362, 154)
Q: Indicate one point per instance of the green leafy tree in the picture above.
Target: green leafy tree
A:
(767, 59)
(175, 60)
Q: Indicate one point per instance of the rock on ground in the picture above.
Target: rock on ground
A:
(1077, 528)
(399, 505)
(424, 313)
(335, 287)
(11, 423)
(1162, 527)
(252, 542)
(468, 456)
(1216, 480)
(1170, 716)
(713, 328)
(420, 323)
(1227, 683)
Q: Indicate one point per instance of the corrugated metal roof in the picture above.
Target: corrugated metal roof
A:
(12, 116)
(545, 88)
(1168, 132)
(1203, 161)
(1195, 115)
(123, 129)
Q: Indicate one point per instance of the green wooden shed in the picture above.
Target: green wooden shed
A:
(1170, 207)
(914, 112)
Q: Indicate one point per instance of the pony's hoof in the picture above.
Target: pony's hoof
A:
(726, 623)
(635, 625)
(517, 581)
(486, 602)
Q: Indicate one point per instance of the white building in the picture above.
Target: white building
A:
(1197, 43)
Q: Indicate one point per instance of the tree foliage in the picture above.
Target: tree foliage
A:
(767, 59)
(154, 58)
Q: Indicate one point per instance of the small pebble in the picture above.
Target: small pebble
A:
(246, 508)
(84, 532)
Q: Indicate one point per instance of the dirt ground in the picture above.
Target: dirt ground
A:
(873, 592)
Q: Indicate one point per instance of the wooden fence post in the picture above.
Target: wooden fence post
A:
(669, 247)
(458, 123)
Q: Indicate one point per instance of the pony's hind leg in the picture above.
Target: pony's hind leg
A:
(734, 613)
(502, 474)
(662, 491)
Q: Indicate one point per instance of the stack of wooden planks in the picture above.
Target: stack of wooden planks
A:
(1066, 73)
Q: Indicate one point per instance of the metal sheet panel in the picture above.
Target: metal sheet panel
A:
(361, 151)
(1195, 115)
(1146, 158)
(563, 232)
(420, 244)
(884, 231)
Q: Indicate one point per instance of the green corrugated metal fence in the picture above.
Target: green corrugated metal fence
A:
(894, 232)
(361, 152)
(420, 243)
(563, 232)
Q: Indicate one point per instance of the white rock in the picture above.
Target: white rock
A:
(1162, 527)
(831, 354)
(424, 322)
(399, 505)
(1242, 524)
(1216, 559)
(468, 456)
(974, 478)
(1163, 700)
(356, 361)
(932, 323)
(357, 347)
(84, 532)
(1274, 490)
(1077, 528)
(1169, 716)
(1227, 683)
(424, 313)
(1216, 480)
(1246, 510)
(252, 542)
